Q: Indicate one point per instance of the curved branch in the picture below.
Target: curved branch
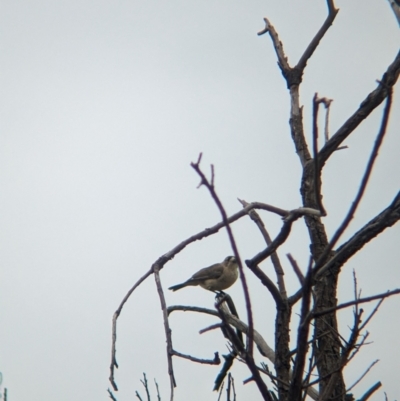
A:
(114, 363)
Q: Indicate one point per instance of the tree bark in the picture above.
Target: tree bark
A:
(327, 344)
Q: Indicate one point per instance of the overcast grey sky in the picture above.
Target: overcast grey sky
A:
(103, 106)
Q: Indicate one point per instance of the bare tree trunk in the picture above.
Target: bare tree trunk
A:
(282, 340)
(327, 344)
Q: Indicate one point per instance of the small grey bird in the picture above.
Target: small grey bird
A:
(217, 277)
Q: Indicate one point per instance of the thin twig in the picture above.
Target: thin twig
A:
(296, 268)
(358, 346)
(356, 296)
(233, 388)
(215, 361)
(167, 329)
(355, 302)
(145, 385)
(228, 388)
(114, 328)
(220, 391)
(186, 308)
(111, 395)
(362, 376)
(367, 320)
(210, 328)
(327, 103)
(158, 390)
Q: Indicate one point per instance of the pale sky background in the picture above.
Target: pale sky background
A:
(104, 104)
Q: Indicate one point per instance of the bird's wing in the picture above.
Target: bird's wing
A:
(211, 272)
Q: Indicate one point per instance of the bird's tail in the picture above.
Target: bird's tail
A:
(177, 287)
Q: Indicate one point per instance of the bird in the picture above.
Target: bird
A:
(217, 277)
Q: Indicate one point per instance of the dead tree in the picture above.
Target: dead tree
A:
(317, 336)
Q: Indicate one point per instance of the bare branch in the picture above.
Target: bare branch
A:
(169, 255)
(317, 176)
(387, 218)
(356, 296)
(371, 315)
(332, 12)
(111, 395)
(363, 375)
(282, 59)
(279, 240)
(370, 103)
(265, 349)
(274, 257)
(114, 329)
(370, 391)
(296, 268)
(266, 281)
(220, 391)
(302, 340)
(228, 388)
(210, 328)
(233, 386)
(355, 302)
(219, 380)
(311, 367)
(167, 329)
(158, 390)
(262, 345)
(146, 386)
(185, 308)
(357, 347)
(215, 361)
(247, 357)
